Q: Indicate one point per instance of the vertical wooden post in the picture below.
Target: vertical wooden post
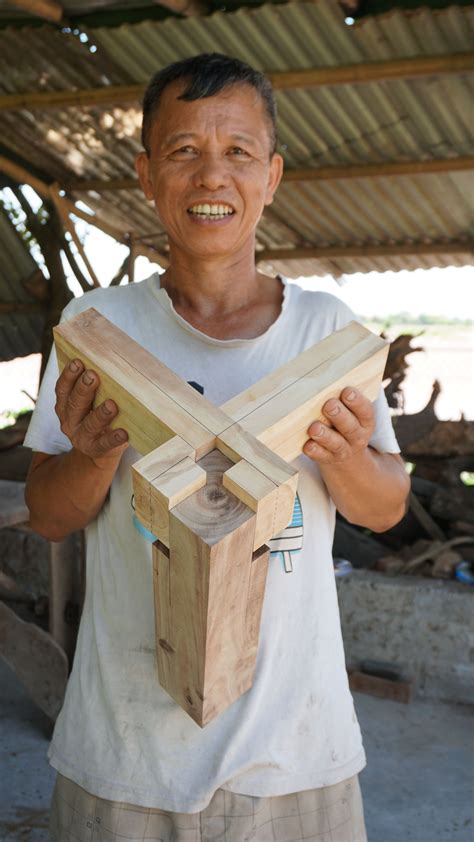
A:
(209, 590)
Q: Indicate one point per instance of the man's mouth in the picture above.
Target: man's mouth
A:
(206, 211)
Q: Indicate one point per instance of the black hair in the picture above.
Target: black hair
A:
(207, 74)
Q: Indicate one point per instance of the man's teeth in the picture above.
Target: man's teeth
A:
(215, 211)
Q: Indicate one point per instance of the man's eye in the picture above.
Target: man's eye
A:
(237, 150)
(183, 150)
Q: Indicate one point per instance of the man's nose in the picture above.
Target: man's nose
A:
(211, 172)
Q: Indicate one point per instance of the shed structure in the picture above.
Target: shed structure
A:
(375, 122)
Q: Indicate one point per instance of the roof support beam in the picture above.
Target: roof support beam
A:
(387, 168)
(314, 253)
(20, 175)
(47, 9)
(378, 71)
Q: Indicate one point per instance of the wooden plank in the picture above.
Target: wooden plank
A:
(383, 688)
(36, 659)
(272, 504)
(282, 423)
(237, 443)
(131, 376)
(150, 510)
(324, 352)
(179, 482)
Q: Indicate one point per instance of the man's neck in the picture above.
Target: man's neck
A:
(223, 297)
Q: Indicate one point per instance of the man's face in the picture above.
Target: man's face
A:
(209, 171)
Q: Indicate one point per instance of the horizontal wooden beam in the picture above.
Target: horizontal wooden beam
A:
(314, 253)
(20, 175)
(47, 9)
(386, 168)
(379, 71)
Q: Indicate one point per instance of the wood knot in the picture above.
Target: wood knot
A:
(165, 645)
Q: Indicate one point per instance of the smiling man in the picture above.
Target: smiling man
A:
(282, 762)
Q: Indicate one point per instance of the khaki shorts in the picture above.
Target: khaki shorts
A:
(330, 814)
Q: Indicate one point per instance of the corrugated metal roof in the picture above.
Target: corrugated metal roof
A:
(419, 119)
(20, 332)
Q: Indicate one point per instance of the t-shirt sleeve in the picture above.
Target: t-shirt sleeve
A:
(44, 433)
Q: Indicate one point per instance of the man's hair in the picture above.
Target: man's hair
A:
(207, 74)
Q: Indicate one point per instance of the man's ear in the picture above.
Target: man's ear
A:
(274, 177)
(142, 166)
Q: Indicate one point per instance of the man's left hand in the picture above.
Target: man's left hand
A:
(347, 431)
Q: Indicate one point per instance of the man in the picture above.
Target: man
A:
(281, 763)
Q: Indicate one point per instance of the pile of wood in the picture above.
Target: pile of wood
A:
(437, 532)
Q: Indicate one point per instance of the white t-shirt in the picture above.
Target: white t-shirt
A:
(119, 735)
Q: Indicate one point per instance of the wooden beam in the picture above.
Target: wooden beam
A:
(20, 175)
(382, 169)
(187, 8)
(314, 253)
(214, 490)
(379, 71)
(47, 9)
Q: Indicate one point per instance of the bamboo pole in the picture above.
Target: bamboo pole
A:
(314, 253)
(21, 176)
(47, 9)
(377, 71)
(383, 169)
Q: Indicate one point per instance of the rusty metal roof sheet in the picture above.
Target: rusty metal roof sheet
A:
(374, 122)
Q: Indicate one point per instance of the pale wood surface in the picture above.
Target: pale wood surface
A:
(208, 598)
(216, 491)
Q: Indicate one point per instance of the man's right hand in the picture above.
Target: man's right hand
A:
(66, 491)
(87, 429)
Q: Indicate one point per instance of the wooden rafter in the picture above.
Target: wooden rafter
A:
(315, 253)
(378, 71)
(21, 176)
(47, 9)
(387, 168)
(187, 8)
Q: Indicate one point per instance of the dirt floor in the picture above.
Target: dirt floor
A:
(417, 786)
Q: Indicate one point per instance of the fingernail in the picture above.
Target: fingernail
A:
(350, 395)
(310, 447)
(319, 431)
(333, 411)
(120, 436)
(75, 365)
(108, 407)
(87, 378)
